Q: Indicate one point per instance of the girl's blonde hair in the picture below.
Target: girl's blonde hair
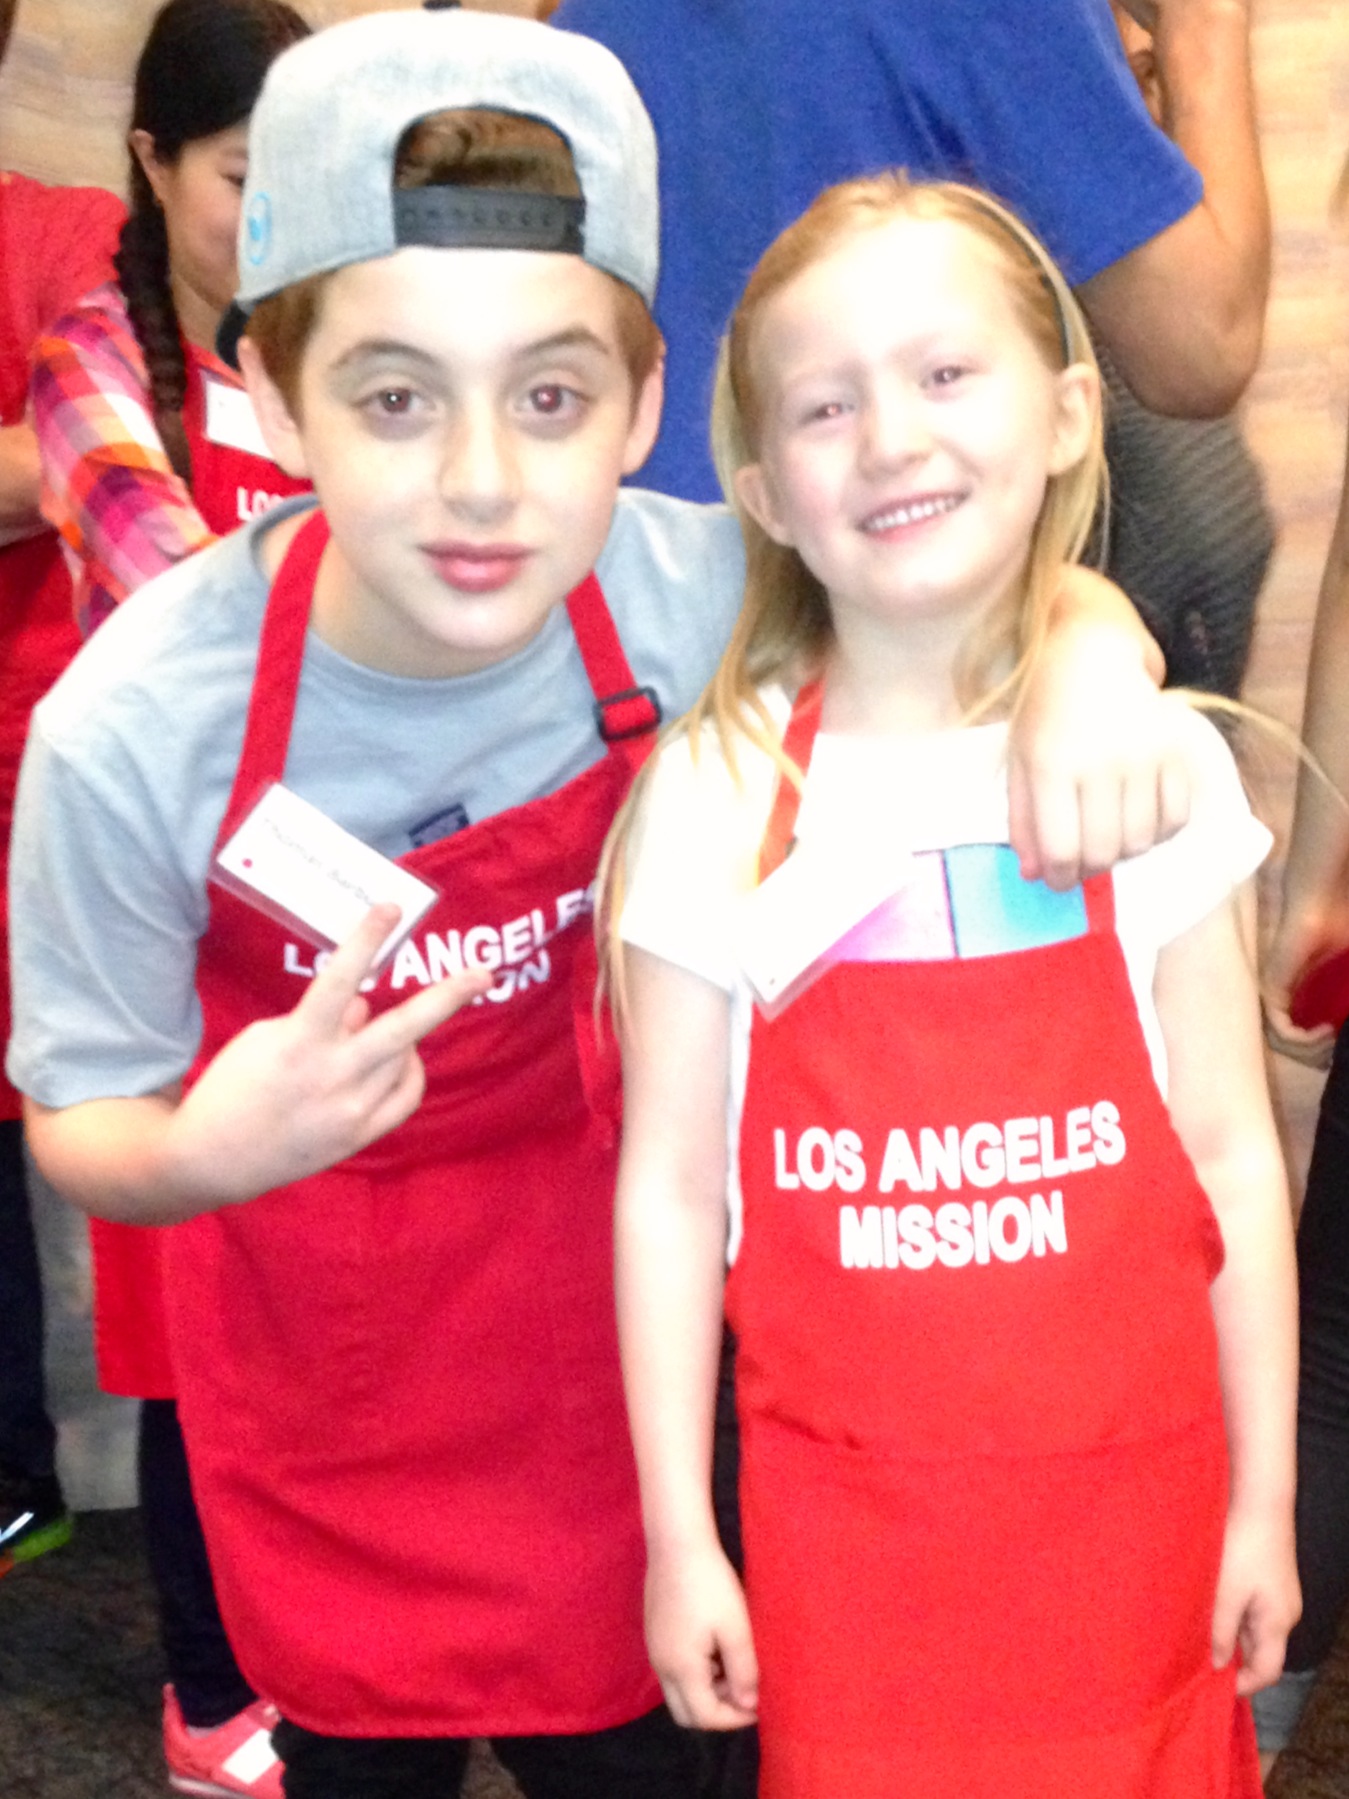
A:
(784, 631)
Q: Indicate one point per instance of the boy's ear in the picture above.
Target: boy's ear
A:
(280, 431)
(755, 493)
(1079, 403)
(646, 409)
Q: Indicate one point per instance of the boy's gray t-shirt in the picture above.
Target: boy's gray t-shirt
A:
(132, 755)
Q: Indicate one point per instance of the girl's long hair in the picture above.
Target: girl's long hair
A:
(200, 72)
(784, 631)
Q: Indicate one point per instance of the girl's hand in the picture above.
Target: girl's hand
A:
(698, 1637)
(292, 1095)
(1259, 1600)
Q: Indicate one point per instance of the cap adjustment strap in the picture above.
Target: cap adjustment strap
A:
(476, 218)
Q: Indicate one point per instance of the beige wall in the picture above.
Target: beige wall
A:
(63, 99)
(64, 86)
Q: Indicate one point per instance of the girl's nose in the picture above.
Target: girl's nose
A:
(895, 426)
(479, 472)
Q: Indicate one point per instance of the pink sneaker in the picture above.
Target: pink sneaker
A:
(235, 1758)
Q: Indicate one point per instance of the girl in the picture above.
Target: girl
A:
(991, 1325)
(149, 452)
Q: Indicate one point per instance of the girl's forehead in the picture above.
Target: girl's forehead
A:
(904, 277)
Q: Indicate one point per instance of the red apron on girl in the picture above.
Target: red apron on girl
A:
(985, 1477)
(230, 482)
(399, 1379)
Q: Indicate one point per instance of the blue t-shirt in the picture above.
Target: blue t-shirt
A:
(759, 104)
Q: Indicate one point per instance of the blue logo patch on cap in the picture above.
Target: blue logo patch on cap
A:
(258, 229)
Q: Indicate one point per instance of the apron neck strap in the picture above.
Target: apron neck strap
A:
(797, 744)
(271, 707)
(626, 716)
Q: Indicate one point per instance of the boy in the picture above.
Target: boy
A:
(390, 1314)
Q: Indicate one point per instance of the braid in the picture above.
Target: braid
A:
(142, 264)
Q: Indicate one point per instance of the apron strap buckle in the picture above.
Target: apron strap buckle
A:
(631, 713)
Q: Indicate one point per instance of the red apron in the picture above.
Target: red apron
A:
(229, 485)
(984, 1478)
(399, 1379)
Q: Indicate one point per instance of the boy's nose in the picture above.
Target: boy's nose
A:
(479, 472)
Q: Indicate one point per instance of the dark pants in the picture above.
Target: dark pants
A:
(205, 1675)
(650, 1758)
(27, 1436)
(730, 1758)
(1323, 1390)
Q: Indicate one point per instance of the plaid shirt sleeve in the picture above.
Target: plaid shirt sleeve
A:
(107, 484)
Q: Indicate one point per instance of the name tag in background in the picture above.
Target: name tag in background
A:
(296, 865)
(231, 420)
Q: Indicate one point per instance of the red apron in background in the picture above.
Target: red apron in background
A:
(399, 1379)
(230, 483)
(984, 1477)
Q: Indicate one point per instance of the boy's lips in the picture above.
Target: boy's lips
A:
(476, 567)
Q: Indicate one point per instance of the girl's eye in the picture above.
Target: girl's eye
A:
(824, 411)
(947, 375)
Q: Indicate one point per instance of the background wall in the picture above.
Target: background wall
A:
(63, 101)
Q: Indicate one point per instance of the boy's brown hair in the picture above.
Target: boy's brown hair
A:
(463, 147)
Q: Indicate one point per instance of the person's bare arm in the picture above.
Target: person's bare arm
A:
(20, 485)
(670, 1238)
(1183, 314)
(1314, 919)
(1219, 1104)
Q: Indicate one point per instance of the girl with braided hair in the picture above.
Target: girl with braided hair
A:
(148, 447)
(149, 451)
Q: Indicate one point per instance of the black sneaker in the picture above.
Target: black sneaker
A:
(34, 1517)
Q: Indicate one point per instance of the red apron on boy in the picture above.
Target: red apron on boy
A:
(985, 1477)
(230, 482)
(399, 1379)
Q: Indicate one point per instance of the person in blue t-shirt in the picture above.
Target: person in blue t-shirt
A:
(757, 108)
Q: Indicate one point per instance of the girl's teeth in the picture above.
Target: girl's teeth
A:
(910, 515)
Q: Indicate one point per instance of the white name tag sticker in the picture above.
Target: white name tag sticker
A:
(231, 420)
(789, 923)
(292, 862)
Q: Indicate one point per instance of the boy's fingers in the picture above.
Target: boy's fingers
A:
(402, 1027)
(338, 982)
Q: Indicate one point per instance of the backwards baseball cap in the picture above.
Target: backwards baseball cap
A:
(325, 132)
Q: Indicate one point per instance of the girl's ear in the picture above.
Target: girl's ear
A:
(143, 149)
(1078, 398)
(279, 426)
(754, 491)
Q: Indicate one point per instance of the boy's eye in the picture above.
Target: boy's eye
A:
(947, 374)
(393, 402)
(553, 400)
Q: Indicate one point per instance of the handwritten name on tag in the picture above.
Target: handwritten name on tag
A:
(295, 864)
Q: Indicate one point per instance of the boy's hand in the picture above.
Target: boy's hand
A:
(1259, 1600)
(698, 1637)
(292, 1095)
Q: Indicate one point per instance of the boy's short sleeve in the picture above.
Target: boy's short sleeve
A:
(693, 854)
(103, 937)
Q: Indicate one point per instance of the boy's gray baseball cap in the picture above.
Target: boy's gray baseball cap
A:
(327, 125)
